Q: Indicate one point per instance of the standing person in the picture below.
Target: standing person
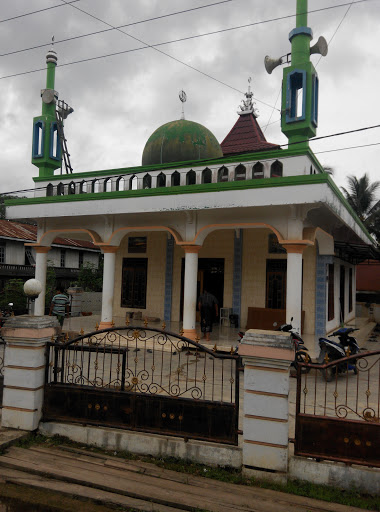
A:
(207, 305)
(59, 306)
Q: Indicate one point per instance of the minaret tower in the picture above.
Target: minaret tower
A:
(46, 149)
(299, 113)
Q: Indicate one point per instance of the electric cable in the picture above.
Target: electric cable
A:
(169, 42)
(110, 29)
(35, 12)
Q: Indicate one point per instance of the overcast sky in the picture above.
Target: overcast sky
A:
(120, 100)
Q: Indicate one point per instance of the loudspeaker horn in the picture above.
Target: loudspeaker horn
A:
(320, 46)
(270, 64)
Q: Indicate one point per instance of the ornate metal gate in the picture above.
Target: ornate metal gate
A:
(2, 357)
(339, 420)
(143, 379)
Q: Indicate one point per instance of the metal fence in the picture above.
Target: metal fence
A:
(338, 410)
(144, 379)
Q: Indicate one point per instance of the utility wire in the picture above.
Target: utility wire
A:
(349, 147)
(173, 14)
(154, 47)
(319, 152)
(110, 29)
(168, 42)
(35, 12)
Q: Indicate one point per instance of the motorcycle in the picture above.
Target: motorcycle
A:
(301, 352)
(332, 351)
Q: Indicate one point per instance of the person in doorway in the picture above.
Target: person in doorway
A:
(208, 306)
(59, 306)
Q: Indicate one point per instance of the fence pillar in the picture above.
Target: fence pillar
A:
(267, 356)
(24, 369)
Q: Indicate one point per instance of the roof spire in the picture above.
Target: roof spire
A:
(182, 96)
(248, 106)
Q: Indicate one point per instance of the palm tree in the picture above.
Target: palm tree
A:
(361, 195)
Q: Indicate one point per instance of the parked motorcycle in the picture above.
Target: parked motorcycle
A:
(332, 351)
(301, 352)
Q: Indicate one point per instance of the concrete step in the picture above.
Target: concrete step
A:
(93, 474)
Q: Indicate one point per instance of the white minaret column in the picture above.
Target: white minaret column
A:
(294, 283)
(40, 274)
(190, 290)
(109, 252)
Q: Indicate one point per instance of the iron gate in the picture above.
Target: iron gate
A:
(2, 358)
(143, 379)
(339, 420)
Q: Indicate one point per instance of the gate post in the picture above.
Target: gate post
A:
(267, 356)
(24, 369)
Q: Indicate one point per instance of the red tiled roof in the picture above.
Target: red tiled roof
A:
(246, 136)
(28, 233)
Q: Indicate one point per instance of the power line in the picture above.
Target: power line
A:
(169, 42)
(173, 14)
(35, 12)
(2, 194)
(349, 147)
(110, 29)
(154, 47)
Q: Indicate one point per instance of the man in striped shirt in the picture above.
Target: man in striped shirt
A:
(60, 305)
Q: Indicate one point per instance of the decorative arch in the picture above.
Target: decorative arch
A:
(223, 174)
(72, 187)
(240, 172)
(191, 178)
(147, 181)
(276, 169)
(120, 183)
(206, 175)
(133, 182)
(176, 179)
(206, 230)
(120, 233)
(107, 185)
(48, 237)
(258, 170)
(50, 189)
(60, 189)
(324, 239)
(83, 187)
(161, 180)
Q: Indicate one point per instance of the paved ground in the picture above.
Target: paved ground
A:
(142, 485)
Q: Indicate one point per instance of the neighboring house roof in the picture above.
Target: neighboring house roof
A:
(28, 233)
(246, 136)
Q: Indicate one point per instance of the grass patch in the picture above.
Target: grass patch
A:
(352, 498)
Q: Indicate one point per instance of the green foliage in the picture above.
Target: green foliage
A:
(90, 278)
(14, 292)
(361, 195)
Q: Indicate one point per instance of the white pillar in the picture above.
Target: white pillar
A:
(190, 291)
(266, 358)
(294, 284)
(108, 286)
(24, 369)
(40, 274)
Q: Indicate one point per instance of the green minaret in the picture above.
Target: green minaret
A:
(46, 148)
(299, 113)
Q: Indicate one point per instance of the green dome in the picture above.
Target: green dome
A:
(179, 141)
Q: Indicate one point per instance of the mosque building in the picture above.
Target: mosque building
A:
(262, 227)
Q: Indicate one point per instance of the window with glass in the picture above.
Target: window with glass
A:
(331, 293)
(63, 258)
(2, 253)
